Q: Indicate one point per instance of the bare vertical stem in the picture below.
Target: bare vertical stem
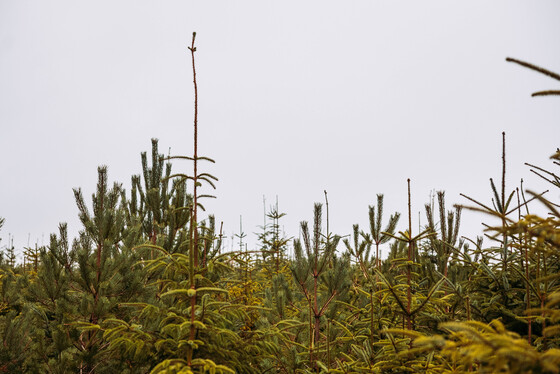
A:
(276, 224)
(529, 321)
(192, 48)
(311, 334)
(505, 241)
(153, 238)
(36, 258)
(194, 226)
(221, 237)
(371, 326)
(408, 271)
(503, 167)
(327, 206)
(328, 345)
(543, 298)
(523, 244)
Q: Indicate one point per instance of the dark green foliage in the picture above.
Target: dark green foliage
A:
(145, 288)
(160, 209)
(115, 302)
(322, 278)
(379, 237)
(273, 244)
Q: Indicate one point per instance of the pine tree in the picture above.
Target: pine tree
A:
(191, 327)
(379, 237)
(14, 345)
(446, 244)
(321, 277)
(101, 276)
(51, 310)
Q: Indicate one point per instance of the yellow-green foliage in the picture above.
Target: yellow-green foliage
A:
(486, 348)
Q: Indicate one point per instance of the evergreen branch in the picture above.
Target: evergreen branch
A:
(476, 202)
(403, 238)
(545, 202)
(379, 214)
(190, 158)
(182, 208)
(553, 182)
(548, 278)
(527, 281)
(85, 326)
(206, 196)
(152, 246)
(441, 206)
(211, 289)
(433, 290)
(392, 340)
(457, 224)
(509, 200)
(546, 93)
(556, 181)
(181, 175)
(295, 325)
(411, 333)
(535, 68)
(491, 212)
(391, 289)
(391, 226)
(322, 310)
(489, 271)
(526, 202)
(133, 305)
(207, 175)
(116, 321)
(423, 235)
(499, 203)
(348, 332)
(207, 180)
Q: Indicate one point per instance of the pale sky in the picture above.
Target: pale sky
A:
(295, 97)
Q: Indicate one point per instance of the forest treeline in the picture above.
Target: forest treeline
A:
(147, 288)
(135, 293)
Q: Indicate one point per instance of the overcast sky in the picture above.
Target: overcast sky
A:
(295, 97)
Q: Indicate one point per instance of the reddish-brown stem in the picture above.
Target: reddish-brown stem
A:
(194, 226)
(408, 272)
(543, 298)
(195, 155)
(529, 327)
(504, 223)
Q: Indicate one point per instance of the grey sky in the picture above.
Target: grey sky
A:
(296, 97)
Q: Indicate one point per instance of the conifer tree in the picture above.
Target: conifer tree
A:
(379, 237)
(274, 273)
(52, 308)
(14, 345)
(446, 244)
(191, 327)
(321, 277)
(101, 276)
(155, 197)
(274, 245)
